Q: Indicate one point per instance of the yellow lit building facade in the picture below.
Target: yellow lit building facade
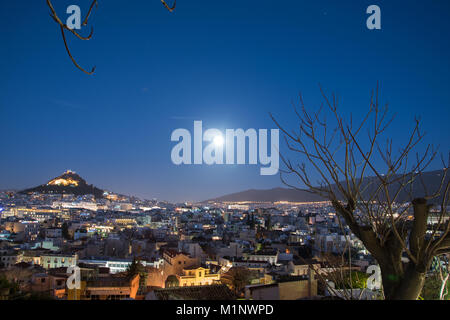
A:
(198, 277)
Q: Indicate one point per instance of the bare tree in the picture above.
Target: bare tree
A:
(64, 27)
(344, 158)
(338, 272)
(237, 278)
(341, 279)
(443, 275)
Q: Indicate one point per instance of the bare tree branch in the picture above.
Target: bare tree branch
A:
(64, 27)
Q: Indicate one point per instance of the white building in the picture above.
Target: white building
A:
(119, 265)
(50, 261)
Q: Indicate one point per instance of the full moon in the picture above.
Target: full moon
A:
(218, 141)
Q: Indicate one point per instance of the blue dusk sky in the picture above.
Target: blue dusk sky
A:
(227, 63)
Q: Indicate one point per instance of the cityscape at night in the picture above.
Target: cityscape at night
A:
(241, 153)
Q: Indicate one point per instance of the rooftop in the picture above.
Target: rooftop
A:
(212, 292)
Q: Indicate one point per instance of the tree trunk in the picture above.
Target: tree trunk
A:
(406, 286)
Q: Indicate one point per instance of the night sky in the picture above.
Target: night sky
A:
(227, 63)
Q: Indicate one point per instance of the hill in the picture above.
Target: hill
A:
(67, 183)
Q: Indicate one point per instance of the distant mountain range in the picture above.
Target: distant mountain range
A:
(270, 195)
(67, 183)
(432, 181)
